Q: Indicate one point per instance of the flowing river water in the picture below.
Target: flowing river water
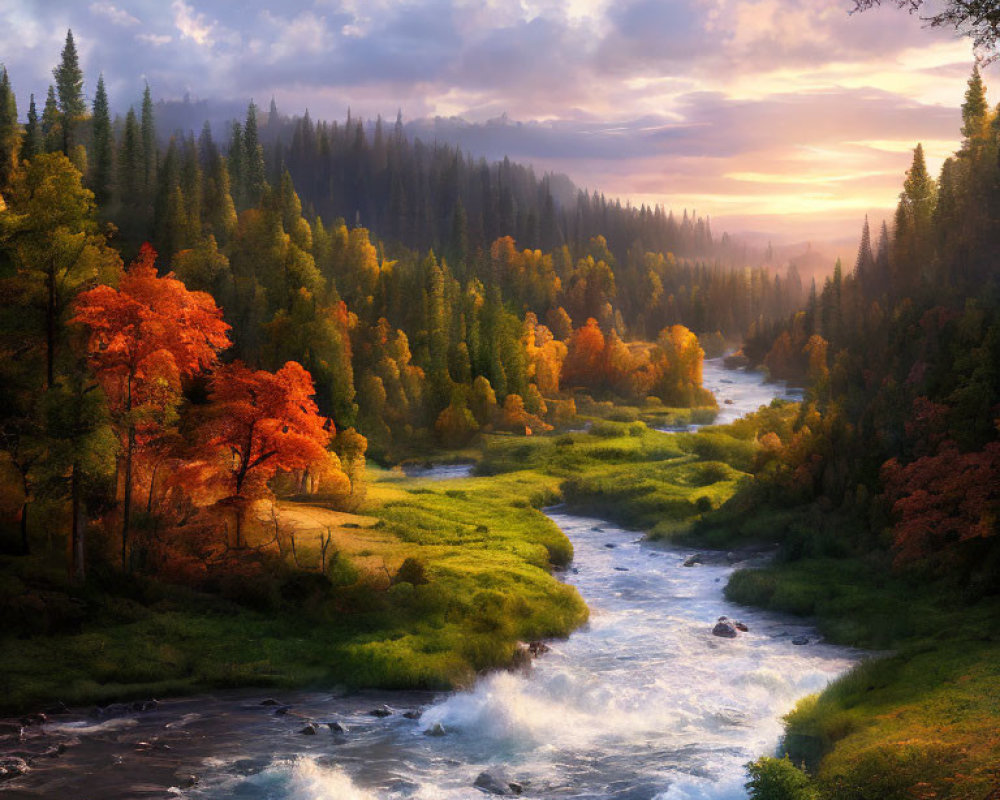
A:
(643, 703)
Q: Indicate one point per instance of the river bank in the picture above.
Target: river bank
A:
(641, 702)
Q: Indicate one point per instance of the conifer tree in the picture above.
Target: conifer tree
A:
(32, 144)
(52, 122)
(69, 85)
(975, 114)
(866, 260)
(131, 172)
(10, 130)
(237, 170)
(253, 155)
(150, 152)
(103, 167)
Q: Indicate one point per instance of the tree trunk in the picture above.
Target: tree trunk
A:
(152, 485)
(127, 499)
(239, 528)
(25, 546)
(127, 489)
(50, 329)
(78, 564)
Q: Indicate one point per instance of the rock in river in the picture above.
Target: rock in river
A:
(800, 640)
(381, 711)
(496, 781)
(724, 628)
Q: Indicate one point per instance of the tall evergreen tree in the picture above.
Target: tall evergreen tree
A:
(102, 173)
(69, 85)
(975, 113)
(865, 263)
(32, 144)
(150, 153)
(10, 130)
(237, 168)
(253, 155)
(52, 122)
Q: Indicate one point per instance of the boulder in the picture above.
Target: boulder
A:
(496, 781)
(693, 561)
(381, 711)
(621, 569)
(611, 546)
(12, 767)
(270, 702)
(309, 730)
(415, 714)
(437, 729)
(741, 626)
(800, 640)
(538, 648)
(725, 629)
(336, 727)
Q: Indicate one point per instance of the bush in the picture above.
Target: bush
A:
(778, 779)
(412, 571)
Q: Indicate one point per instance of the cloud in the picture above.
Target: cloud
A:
(738, 105)
(116, 15)
(193, 25)
(154, 39)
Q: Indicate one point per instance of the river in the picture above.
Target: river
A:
(643, 703)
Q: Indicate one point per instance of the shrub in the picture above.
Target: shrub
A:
(778, 779)
(412, 571)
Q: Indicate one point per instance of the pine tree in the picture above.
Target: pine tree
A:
(10, 130)
(237, 170)
(69, 84)
(253, 155)
(52, 122)
(150, 153)
(131, 172)
(975, 114)
(103, 171)
(866, 260)
(32, 144)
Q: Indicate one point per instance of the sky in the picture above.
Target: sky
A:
(792, 118)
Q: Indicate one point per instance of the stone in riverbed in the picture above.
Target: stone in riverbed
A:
(412, 714)
(496, 781)
(309, 730)
(741, 626)
(381, 712)
(437, 729)
(336, 727)
(724, 628)
(611, 546)
(800, 640)
(693, 561)
(270, 702)
(12, 767)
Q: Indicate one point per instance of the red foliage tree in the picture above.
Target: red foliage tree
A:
(943, 500)
(145, 337)
(260, 423)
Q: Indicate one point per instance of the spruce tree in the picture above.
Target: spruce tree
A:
(52, 122)
(237, 171)
(253, 155)
(131, 172)
(149, 149)
(975, 113)
(866, 260)
(32, 144)
(102, 174)
(10, 130)
(69, 85)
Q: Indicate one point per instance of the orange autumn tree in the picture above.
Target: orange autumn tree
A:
(584, 364)
(260, 423)
(144, 338)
